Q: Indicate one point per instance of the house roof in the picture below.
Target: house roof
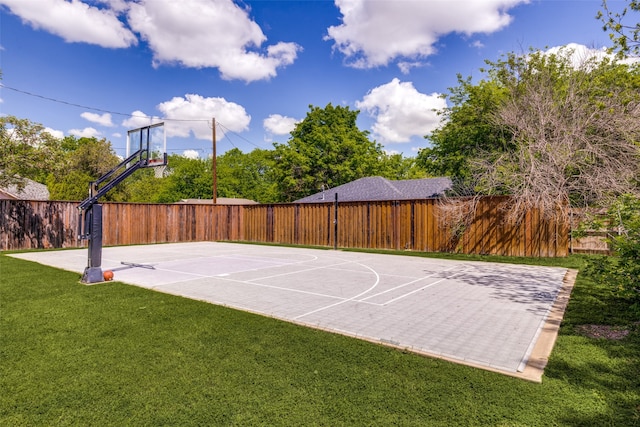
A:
(31, 191)
(379, 188)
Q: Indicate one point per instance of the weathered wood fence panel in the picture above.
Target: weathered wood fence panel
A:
(418, 225)
(30, 225)
(41, 225)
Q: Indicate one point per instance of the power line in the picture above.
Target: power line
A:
(72, 104)
(227, 131)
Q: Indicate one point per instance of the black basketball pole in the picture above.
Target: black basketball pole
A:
(93, 223)
(214, 163)
(335, 223)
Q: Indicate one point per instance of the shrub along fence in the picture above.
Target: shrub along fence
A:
(418, 225)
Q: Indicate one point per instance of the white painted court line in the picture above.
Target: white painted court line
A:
(403, 285)
(260, 285)
(277, 261)
(197, 276)
(348, 299)
(251, 282)
(391, 301)
(284, 295)
(296, 272)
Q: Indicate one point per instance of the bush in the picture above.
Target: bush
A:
(622, 270)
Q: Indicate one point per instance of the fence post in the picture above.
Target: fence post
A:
(335, 223)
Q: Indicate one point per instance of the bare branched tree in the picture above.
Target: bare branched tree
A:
(575, 132)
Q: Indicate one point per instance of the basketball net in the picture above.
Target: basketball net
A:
(158, 171)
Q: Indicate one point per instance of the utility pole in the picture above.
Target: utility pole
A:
(214, 164)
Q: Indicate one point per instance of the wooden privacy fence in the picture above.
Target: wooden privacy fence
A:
(418, 225)
(35, 224)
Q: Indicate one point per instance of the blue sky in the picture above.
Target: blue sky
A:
(256, 66)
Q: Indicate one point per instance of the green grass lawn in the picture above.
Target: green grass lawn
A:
(114, 354)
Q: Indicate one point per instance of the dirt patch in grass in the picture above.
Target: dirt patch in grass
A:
(603, 331)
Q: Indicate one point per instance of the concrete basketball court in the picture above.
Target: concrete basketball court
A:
(493, 316)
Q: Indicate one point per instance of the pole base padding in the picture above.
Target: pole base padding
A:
(92, 275)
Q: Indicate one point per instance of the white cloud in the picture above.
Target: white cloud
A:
(55, 133)
(139, 119)
(201, 33)
(406, 66)
(116, 5)
(191, 33)
(279, 125)
(74, 21)
(193, 114)
(101, 119)
(580, 54)
(85, 133)
(373, 33)
(190, 154)
(401, 112)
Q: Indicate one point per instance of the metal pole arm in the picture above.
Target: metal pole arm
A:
(96, 192)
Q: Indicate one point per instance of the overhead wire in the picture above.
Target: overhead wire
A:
(72, 104)
(227, 131)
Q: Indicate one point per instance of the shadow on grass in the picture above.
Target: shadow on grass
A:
(606, 368)
(610, 371)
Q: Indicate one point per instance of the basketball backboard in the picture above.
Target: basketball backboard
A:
(150, 142)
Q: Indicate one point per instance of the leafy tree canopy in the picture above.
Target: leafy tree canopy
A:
(82, 160)
(26, 151)
(468, 129)
(396, 167)
(248, 176)
(186, 179)
(625, 35)
(546, 130)
(575, 131)
(325, 149)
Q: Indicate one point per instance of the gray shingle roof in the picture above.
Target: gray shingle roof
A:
(379, 188)
(31, 191)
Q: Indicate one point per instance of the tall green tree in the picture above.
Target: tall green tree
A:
(397, 167)
(186, 179)
(26, 151)
(144, 187)
(83, 160)
(325, 149)
(468, 129)
(547, 130)
(249, 176)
